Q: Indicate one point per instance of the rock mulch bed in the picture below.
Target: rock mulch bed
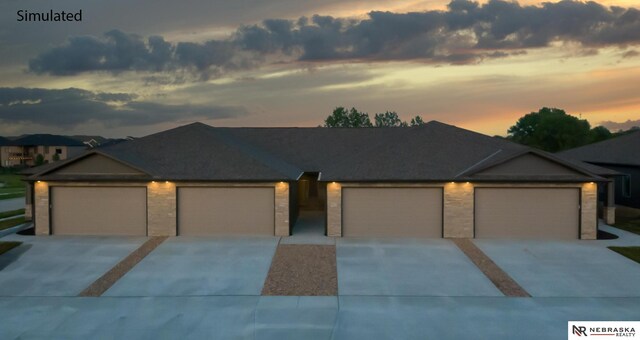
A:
(500, 279)
(98, 287)
(302, 270)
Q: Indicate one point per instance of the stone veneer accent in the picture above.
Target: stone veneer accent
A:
(282, 209)
(161, 209)
(28, 208)
(458, 210)
(41, 198)
(334, 209)
(589, 209)
(161, 203)
(609, 215)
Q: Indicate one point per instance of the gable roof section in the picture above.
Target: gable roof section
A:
(89, 165)
(432, 152)
(622, 150)
(530, 165)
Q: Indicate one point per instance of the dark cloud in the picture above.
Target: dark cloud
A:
(72, 106)
(465, 33)
(617, 126)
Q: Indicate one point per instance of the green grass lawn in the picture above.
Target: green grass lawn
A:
(630, 252)
(630, 224)
(11, 223)
(13, 187)
(11, 213)
(6, 246)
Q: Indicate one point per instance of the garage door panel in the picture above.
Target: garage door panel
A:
(392, 212)
(99, 210)
(226, 211)
(539, 213)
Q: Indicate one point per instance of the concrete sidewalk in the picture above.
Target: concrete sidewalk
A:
(347, 317)
(12, 204)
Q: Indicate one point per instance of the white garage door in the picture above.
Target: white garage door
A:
(226, 211)
(99, 210)
(539, 213)
(392, 212)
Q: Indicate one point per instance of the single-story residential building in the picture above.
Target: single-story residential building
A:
(24, 150)
(434, 180)
(621, 155)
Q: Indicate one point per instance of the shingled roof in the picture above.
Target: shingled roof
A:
(432, 152)
(622, 150)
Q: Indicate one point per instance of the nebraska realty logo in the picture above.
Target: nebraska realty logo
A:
(604, 329)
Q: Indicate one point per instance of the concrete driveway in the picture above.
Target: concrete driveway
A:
(388, 289)
(187, 266)
(59, 265)
(408, 268)
(566, 268)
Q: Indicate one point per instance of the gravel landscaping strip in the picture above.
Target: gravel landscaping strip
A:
(500, 279)
(302, 270)
(99, 286)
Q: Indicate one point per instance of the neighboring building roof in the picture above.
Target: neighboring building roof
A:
(46, 140)
(622, 150)
(4, 141)
(432, 152)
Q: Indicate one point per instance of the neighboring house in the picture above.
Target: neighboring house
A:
(24, 151)
(621, 154)
(3, 142)
(435, 180)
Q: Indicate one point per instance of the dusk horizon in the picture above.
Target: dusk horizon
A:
(136, 69)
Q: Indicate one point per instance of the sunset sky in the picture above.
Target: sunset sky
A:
(138, 67)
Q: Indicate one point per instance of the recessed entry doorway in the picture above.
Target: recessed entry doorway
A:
(311, 206)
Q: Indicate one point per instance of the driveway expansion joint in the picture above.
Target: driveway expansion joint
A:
(108, 279)
(508, 286)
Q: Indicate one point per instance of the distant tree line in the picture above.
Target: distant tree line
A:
(549, 129)
(341, 117)
(553, 130)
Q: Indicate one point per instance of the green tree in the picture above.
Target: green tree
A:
(388, 119)
(598, 134)
(55, 157)
(342, 117)
(39, 159)
(417, 121)
(550, 129)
